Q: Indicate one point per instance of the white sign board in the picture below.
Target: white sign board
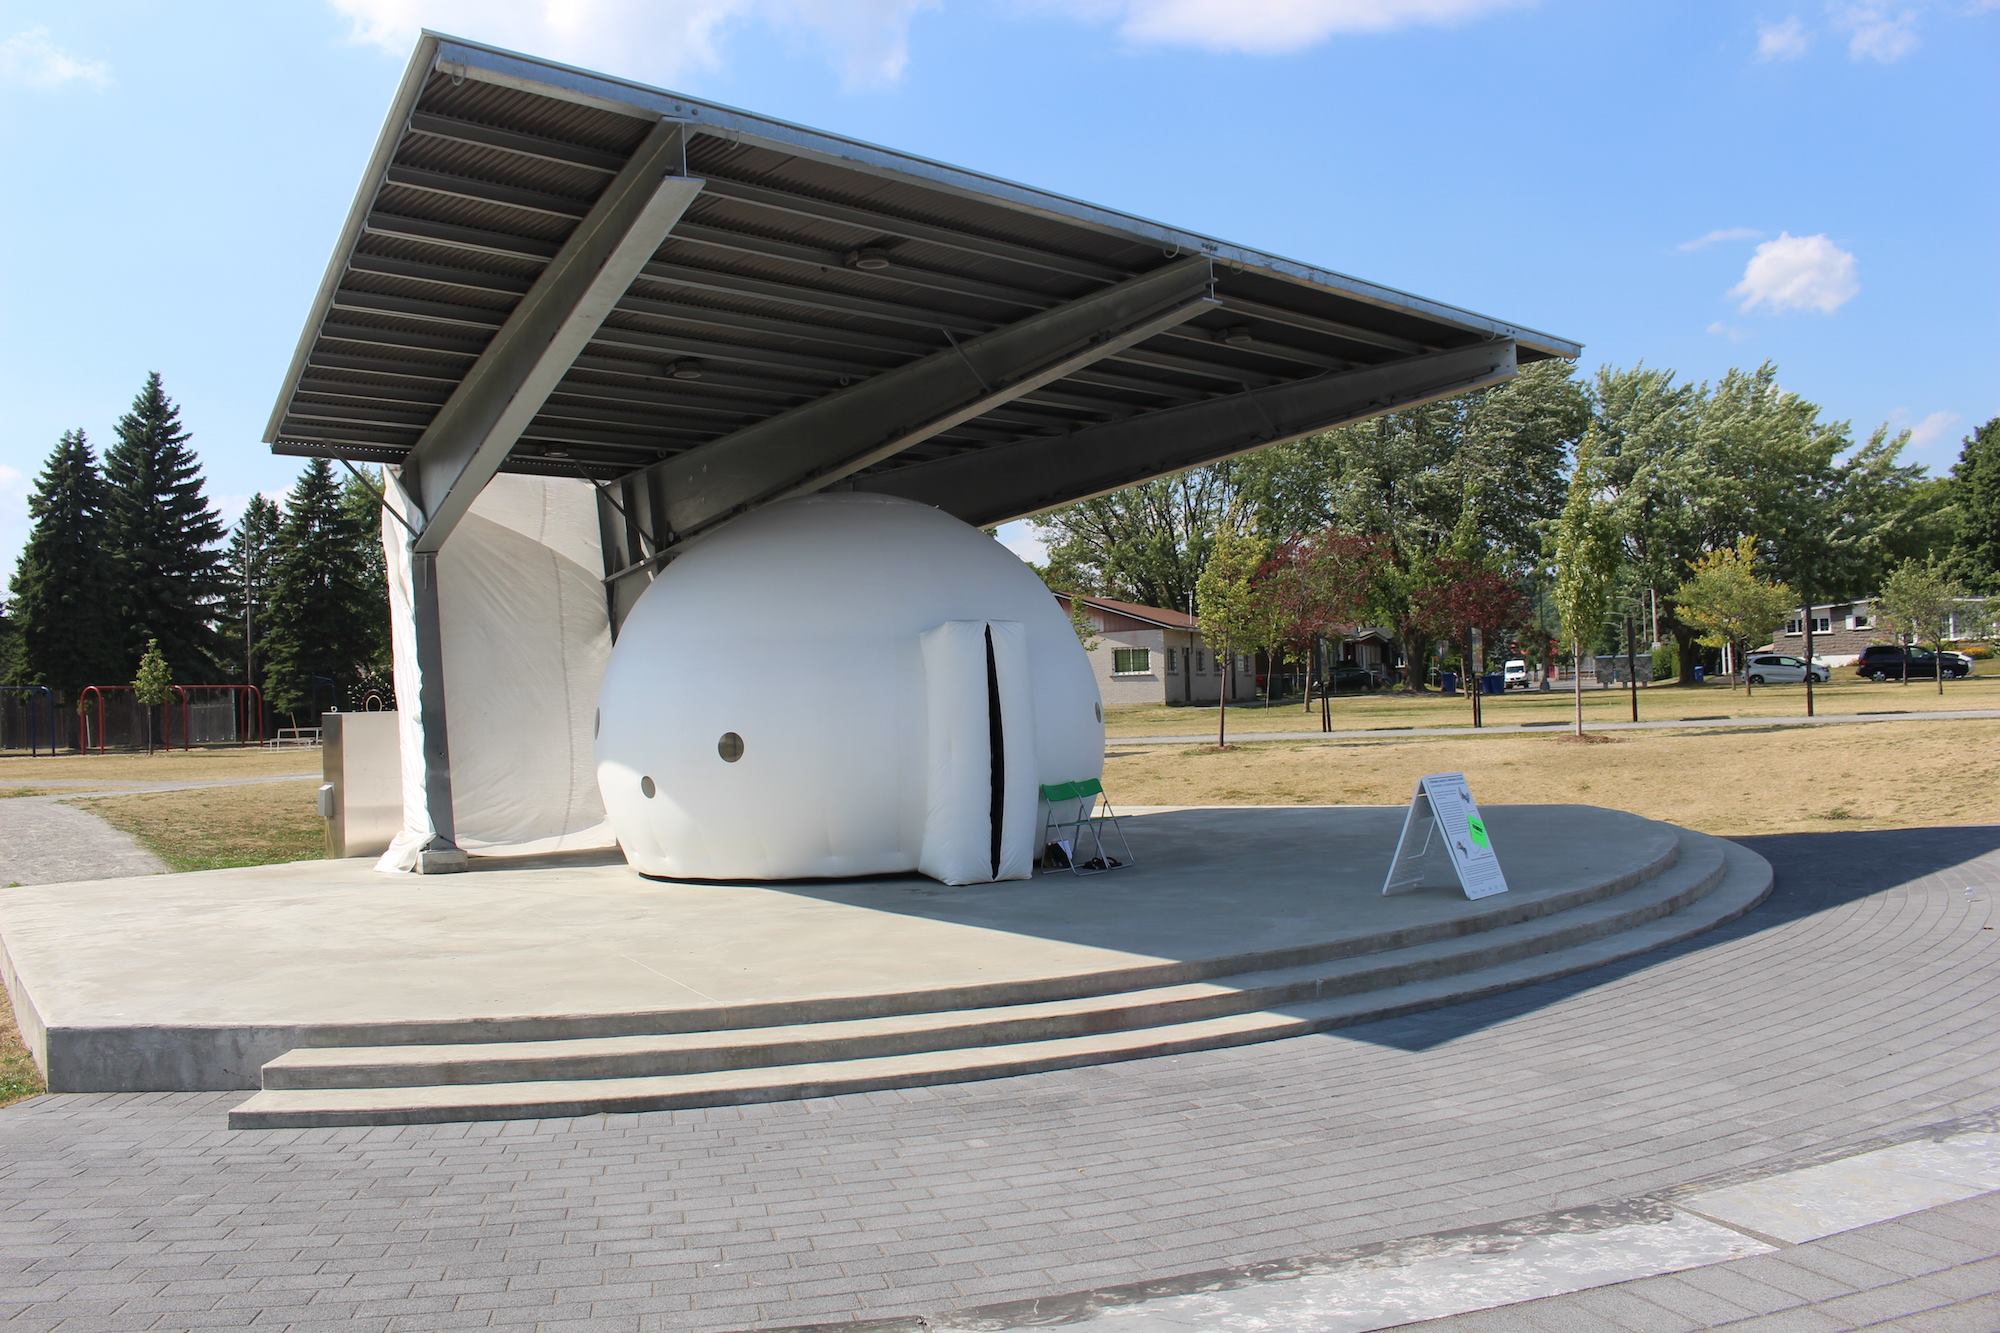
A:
(1445, 813)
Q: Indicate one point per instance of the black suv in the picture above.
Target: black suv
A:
(1888, 661)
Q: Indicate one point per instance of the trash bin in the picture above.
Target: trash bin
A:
(1698, 675)
(1493, 682)
(1448, 681)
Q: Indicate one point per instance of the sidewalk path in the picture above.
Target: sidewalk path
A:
(1852, 1011)
(44, 840)
(1513, 728)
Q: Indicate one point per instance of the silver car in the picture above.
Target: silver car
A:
(1783, 669)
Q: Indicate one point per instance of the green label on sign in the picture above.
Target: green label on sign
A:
(1478, 830)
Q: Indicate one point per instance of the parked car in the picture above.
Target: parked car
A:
(1784, 669)
(1514, 675)
(1889, 661)
(1355, 678)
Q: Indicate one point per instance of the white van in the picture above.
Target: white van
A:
(1515, 674)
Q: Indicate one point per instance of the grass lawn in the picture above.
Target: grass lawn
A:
(1774, 780)
(1844, 694)
(123, 769)
(216, 827)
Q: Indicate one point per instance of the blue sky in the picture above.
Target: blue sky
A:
(1696, 185)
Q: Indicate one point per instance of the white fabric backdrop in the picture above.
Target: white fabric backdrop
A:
(525, 636)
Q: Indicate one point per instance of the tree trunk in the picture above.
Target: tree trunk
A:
(1222, 711)
(1684, 652)
(1748, 688)
(1806, 593)
(1576, 684)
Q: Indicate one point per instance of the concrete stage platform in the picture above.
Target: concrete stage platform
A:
(553, 986)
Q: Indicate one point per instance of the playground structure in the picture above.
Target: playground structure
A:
(237, 717)
(20, 717)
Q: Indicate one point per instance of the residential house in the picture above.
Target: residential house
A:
(1840, 631)
(1152, 655)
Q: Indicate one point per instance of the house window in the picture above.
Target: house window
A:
(1131, 661)
(1200, 662)
(1172, 665)
(1822, 624)
(1795, 626)
(1859, 620)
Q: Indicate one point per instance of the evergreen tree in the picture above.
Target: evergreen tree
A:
(65, 588)
(320, 615)
(1975, 485)
(252, 548)
(11, 669)
(164, 538)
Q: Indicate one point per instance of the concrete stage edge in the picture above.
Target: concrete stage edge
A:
(190, 982)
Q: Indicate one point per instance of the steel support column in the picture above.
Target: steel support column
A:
(469, 439)
(1000, 483)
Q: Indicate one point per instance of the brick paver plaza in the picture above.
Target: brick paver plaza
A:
(1858, 1007)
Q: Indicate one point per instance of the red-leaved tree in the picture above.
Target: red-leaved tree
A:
(1466, 595)
(1319, 584)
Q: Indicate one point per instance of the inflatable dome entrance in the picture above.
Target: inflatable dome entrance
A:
(842, 685)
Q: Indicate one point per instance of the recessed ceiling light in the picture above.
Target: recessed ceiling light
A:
(1233, 336)
(868, 258)
(687, 368)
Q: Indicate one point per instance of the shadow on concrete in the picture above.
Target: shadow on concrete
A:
(1814, 872)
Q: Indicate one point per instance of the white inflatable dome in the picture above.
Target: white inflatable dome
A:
(842, 685)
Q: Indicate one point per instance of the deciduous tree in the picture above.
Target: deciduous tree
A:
(1234, 618)
(1975, 485)
(153, 685)
(1920, 603)
(1587, 557)
(1733, 607)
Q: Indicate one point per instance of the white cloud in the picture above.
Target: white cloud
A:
(1877, 31)
(29, 59)
(1798, 273)
(1934, 428)
(1268, 27)
(1718, 329)
(10, 479)
(866, 40)
(1022, 539)
(1717, 237)
(1781, 41)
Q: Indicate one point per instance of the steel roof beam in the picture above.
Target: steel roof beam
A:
(822, 442)
(1002, 483)
(479, 240)
(470, 437)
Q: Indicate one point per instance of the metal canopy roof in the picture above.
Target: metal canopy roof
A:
(552, 271)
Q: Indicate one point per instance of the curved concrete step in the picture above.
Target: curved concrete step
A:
(1696, 870)
(1711, 896)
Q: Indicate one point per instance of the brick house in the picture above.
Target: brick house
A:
(1152, 655)
(1840, 631)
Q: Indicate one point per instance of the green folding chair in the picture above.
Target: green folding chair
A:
(1089, 796)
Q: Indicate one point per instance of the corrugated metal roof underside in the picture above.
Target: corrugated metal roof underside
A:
(753, 293)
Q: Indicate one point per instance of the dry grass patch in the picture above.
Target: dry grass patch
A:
(18, 1076)
(1845, 695)
(1777, 780)
(114, 770)
(218, 827)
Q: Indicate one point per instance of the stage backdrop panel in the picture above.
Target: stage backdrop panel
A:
(525, 635)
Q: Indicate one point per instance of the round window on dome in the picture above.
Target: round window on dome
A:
(730, 747)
